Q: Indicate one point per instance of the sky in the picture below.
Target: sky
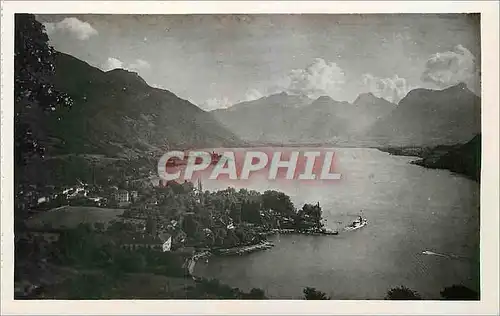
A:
(216, 61)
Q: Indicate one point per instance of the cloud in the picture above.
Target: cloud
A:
(225, 102)
(392, 89)
(214, 103)
(452, 67)
(73, 26)
(136, 66)
(253, 94)
(112, 63)
(317, 79)
(158, 86)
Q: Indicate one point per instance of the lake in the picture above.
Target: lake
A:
(410, 209)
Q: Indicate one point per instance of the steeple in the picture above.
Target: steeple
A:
(200, 191)
(200, 187)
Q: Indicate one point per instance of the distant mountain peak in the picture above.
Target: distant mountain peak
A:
(118, 70)
(458, 89)
(286, 99)
(432, 117)
(324, 98)
(369, 98)
(366, 96)
(277, 95)
(284, 94)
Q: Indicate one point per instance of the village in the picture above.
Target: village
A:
(164, 217)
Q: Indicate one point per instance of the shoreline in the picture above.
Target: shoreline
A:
(190, 262)
(240, 250)
(291, 231)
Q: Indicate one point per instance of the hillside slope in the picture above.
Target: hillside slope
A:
(117, 113)
(269, 119)
(464, 159)
(431, 117)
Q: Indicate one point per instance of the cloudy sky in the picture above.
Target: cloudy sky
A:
(218, 60)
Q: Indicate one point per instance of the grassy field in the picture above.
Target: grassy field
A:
(61, 282)
(72, 216)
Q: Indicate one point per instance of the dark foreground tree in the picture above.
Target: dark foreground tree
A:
(311, 293)
(34, 93)
(402, 293)
(256, 294)
(459, 293)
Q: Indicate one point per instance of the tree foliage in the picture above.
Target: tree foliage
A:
(309, 214)
(214, 289)
(311, 293)
(256, 294)
(402, 293)
(277, 201)
(34, 92)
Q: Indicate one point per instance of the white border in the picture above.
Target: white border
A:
(489, 186)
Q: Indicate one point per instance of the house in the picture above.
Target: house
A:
(208, 232)
(134, 194)
(167, 245)
(97, 200)
(76, 192)
(141, 241)
(122, 196)
(160, 243)
(230, 224)
(151, 203)
(68, 190)
(48, 235)
(43, 199)
(186, 250)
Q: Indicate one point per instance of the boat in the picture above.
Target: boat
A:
(357, 224)
(215, 157)
(330, 232)
(324, 231)
(176, 161)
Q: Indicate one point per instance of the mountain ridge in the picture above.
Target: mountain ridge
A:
(118, 113)
(272, 119)
(424, 117)
(431, 117)
(463, 159)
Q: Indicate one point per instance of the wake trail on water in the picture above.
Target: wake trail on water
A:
(449, 256)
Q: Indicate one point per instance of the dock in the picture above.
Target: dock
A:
(245, 249)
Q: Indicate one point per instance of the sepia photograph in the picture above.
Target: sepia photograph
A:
(234, 156)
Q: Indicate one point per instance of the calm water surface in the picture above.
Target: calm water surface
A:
(410, 210)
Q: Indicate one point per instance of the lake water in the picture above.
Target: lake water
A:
(410, 209)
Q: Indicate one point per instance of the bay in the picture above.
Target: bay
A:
(410, 210)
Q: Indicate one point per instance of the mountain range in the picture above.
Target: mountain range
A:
(423, 118)
(116, 113)
(283, 118)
